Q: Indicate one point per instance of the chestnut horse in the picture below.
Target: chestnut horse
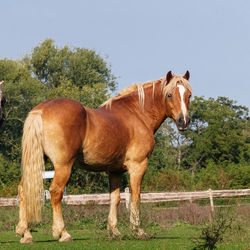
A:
(116, 137)
(2, 102)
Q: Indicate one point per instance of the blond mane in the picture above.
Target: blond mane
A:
(139, 88)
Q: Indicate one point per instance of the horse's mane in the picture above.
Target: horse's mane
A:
(139, 88)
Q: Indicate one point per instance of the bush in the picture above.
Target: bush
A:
(234, 176)
(213, 233)
(167, 180)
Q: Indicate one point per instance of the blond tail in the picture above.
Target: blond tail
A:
(33, 165)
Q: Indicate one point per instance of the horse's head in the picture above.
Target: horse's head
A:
(2, 102)
(177, 92)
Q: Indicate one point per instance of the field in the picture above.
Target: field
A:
(166, 227)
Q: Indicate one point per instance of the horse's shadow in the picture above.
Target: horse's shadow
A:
(41, 241)
(84, 239)
(166, 238)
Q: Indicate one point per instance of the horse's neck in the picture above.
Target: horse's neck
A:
(152, 112)
(154, 108)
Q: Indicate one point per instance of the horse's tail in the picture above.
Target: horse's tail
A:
(33, 165)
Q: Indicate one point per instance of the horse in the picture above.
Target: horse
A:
(2, 102)
(116, 137)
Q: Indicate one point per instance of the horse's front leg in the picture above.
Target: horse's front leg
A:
(136, 171)
(115, 184)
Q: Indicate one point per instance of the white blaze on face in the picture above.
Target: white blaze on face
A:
(183, 106)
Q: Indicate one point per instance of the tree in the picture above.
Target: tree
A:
(164, 171)
(213, 149)
(49, 72)
(216, 133)
(13, 71)
(79, 66)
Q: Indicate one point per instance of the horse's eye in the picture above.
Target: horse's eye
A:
(169, 95)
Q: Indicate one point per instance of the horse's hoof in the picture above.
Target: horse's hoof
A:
(20, 231)
(26, 240)
(56, 235)
(141, 233)
(115, 232)
(65, 237)
(57, 232)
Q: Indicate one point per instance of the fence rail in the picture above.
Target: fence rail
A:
(145, 197)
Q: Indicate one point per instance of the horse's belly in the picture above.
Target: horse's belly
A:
(105, 149)
(99, 162)
(101, 168)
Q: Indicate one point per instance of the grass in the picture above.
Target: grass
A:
(179, 236)
(167, 228)
(91, 239)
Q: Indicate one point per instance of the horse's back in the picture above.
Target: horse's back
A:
(64, 127)
(106, 137)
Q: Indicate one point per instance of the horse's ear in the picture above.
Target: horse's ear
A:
(1, 83)
(187, 75)
(169, 76)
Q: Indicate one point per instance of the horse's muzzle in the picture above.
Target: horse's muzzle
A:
(182, 122)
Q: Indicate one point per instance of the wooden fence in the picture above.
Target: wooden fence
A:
(145, 197)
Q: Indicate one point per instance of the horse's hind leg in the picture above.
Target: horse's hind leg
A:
(22, 227)
(115, 184)
(62, 174)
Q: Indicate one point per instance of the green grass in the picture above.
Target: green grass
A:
(165, 228)
(179, 236)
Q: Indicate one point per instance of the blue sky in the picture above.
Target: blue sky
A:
(143, 39)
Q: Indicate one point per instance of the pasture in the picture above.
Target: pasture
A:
(166, 227)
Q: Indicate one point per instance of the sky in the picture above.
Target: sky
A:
(143, 39)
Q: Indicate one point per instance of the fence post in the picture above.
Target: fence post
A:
(127, 197)
(211, 199)
(211, 205)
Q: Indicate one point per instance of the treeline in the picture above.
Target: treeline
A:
(213, 153)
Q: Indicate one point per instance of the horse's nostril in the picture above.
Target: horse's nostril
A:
(180, 120)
